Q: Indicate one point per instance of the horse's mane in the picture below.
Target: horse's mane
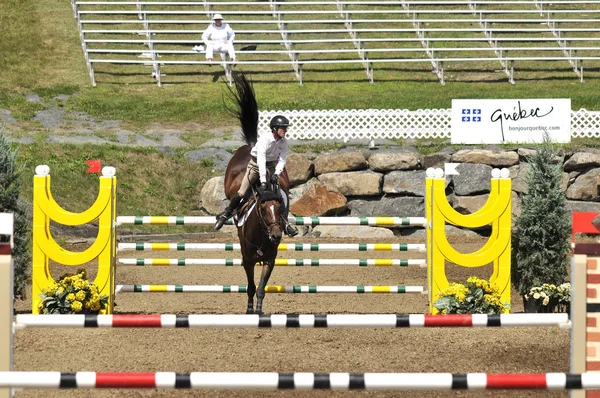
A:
(247, 108)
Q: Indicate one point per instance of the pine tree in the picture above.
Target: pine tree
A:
(10, 203)
(541, 234)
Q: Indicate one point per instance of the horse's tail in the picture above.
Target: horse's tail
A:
(247, 108)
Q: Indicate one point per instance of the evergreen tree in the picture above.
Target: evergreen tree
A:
(541, 234)
(10, 203)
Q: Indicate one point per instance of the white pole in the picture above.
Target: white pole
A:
(6, 300)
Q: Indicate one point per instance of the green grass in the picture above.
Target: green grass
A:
(42, 54)
(145, 183)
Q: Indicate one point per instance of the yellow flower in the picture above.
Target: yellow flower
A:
(60, 290)
(79, 284)
(80, 295)
(76, 306)
(70, 297)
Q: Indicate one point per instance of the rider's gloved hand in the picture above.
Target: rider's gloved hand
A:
(274, 178)
(263, 186)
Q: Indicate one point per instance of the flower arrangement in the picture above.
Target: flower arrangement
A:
(548, 297)
(476, 296)
(72, 294)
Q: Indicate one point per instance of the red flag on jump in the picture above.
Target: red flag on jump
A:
(95, 166)
(583, 223)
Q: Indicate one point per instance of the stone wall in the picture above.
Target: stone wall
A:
(391, 182)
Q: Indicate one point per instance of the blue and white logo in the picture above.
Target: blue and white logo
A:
(467, 111)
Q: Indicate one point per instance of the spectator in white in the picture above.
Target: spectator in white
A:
(218, 37)
(269, 152)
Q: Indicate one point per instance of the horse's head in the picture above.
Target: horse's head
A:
(269, 205)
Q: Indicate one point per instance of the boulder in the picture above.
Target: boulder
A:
(473, 179)
(486, 156)
(401, 206)
(410, 183)
(299, 169)
(317, 200)
(354, 183)
(339, 162)
(351, 231)
(389, 161)
(212, 196)
(581, 160)
(437, 160)
(584, 187)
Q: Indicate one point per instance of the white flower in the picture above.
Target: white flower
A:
(536, 295)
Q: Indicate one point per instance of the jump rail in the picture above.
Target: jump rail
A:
(311, 221)
(286, 381)
(289, 321)
(294, 262)
(268, 289)
(292, 247)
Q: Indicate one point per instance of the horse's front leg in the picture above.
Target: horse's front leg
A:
(251, 290)
(267, 268)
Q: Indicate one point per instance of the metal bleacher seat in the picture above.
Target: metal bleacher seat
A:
(338, 34)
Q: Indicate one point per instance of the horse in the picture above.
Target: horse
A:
(262, 228)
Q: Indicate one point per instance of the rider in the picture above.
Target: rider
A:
(269, 152)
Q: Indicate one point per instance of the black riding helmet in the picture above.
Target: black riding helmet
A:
(279, 121)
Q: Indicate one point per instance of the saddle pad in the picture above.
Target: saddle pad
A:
(242, 220)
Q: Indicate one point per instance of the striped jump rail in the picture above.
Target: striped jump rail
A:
(286, 381)
(289, 320)
(268, 289)
(297, 262)
(293, 247)
(311, 221)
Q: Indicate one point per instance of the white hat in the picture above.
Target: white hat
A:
(217, 16)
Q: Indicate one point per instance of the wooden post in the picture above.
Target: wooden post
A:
(6, 300)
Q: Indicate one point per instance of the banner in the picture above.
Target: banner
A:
(492, 121)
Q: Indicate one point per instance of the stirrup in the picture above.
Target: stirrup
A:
(290, 230)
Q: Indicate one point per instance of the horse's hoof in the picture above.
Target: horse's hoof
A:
(248, 312)
(259, 312)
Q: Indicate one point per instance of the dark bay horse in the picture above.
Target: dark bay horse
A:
(261, 232)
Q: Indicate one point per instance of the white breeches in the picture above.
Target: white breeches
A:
(220, 47)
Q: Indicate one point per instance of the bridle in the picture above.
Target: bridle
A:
(267, 197)
(267, 226)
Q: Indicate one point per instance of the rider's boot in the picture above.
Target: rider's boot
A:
(288, 228)
(228, 212)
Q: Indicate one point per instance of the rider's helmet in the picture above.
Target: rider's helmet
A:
(279, 121)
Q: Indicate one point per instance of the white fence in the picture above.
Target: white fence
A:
(347, 124)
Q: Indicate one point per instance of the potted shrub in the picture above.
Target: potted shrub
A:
(541, 234)
(549, 298)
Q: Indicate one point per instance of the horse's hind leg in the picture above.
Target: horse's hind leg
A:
(267, 268)
(251, 290)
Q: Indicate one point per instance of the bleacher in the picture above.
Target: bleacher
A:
(335, 40)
